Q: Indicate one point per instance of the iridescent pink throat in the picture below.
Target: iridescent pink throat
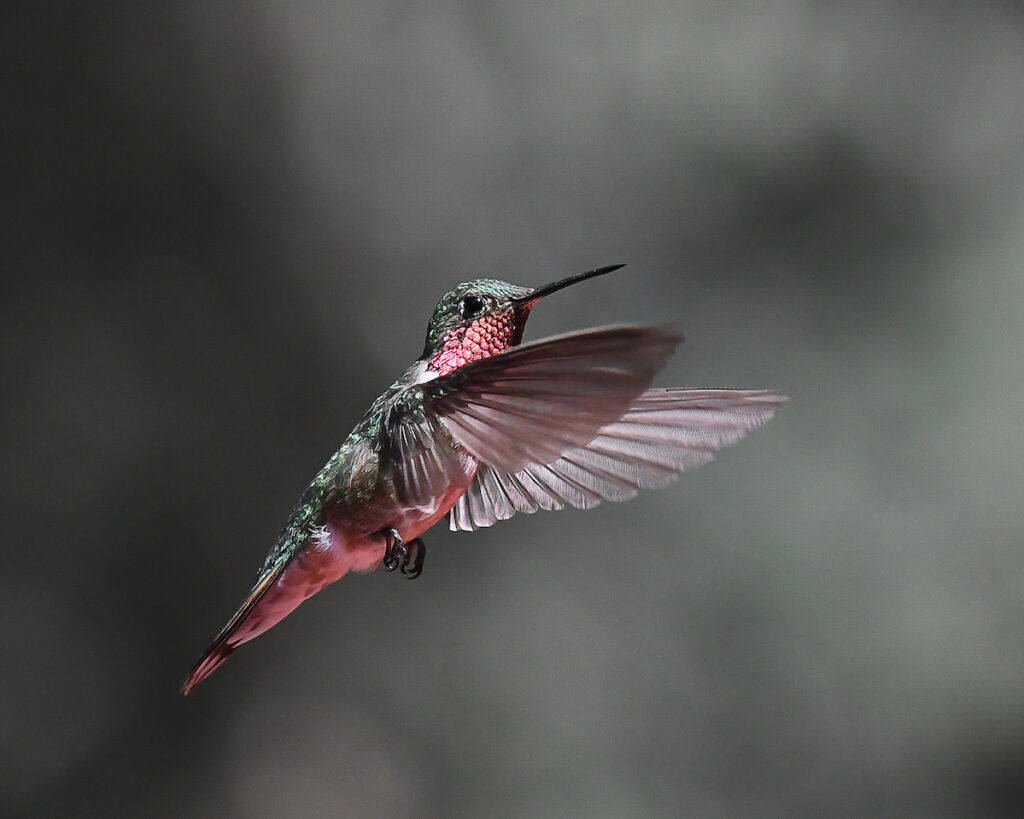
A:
(483, 338)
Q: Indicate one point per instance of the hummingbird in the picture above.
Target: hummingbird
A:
(480, 427)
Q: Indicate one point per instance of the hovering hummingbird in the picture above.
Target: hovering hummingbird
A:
(481, 427)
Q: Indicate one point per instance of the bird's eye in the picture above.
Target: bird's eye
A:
(471, 306)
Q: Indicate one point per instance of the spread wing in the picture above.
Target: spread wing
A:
(526, 404)
(664, 432)
(531, 403)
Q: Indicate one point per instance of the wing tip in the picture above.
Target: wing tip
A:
(770, 396)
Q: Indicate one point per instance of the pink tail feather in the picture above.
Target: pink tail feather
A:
(276, 595)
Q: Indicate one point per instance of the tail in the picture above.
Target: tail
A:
(237, 631)
(278, 592)
(211, 660)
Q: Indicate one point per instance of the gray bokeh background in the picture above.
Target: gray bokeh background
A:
(224, 227)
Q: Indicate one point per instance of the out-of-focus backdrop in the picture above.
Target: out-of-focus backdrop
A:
(224, 227)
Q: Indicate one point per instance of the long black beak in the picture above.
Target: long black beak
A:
(547, 289)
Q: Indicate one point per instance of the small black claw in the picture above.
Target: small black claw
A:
(415, 554)
(395, 552)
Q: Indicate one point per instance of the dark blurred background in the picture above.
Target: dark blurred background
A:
(224, 227)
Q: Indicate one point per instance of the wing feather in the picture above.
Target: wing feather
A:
(527, 404)
(531, 403)
(664, 432)
(424, 462)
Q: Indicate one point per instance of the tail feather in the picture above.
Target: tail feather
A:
(210, 662)
(232, 635)
(281, 589)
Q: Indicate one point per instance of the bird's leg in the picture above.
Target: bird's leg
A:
(395, 551)
(417, 550)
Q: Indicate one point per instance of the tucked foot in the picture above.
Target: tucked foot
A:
(395, 552)
(416, 550)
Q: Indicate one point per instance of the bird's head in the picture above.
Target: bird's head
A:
(480, 318)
